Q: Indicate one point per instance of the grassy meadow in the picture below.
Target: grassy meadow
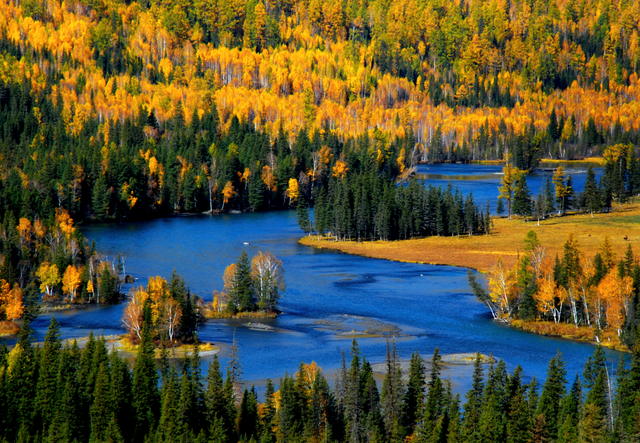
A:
(505, 240)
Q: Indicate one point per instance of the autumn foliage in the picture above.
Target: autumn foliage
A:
(175, 313)
(597, 292)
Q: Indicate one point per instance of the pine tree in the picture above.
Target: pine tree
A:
(591, 192)
(269, 414)
(48, 364)
(241, 292)
(553, 394)
(392, 392)
(549, 198)
(353, 401)
(145, 395)
(102, 407)
(522, 197)
(121, 386)
(473, 406)
(303, 216)
(500, 207)
(414, 395)
(219, 405)
(248, 416)
(100, 202)
(572, 405)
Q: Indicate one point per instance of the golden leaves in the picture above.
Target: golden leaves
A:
(340, 169)
(71, 281)
(11, 300)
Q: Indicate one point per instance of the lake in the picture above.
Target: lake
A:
(328, 296)
(484, 180)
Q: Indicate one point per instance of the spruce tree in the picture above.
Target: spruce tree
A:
(591, 192)
(219, 404)
(571, 408)
(241, 292)
(269, 414)
(248, 416)
(145, 395)
(522, 197)
(303, 216)
(553, 394)
(549, 196)
(500, 207)
(48, 365)
(414, 395)
(102, 407)
(473, 406)
(392, 392)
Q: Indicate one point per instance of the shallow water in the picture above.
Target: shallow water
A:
(330, 297)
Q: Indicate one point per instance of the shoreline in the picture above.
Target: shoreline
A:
(506, 241)
(479, 252)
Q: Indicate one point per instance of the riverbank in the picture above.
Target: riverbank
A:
(123, 345)
(586, 161)
(506, 240)
(607, 339)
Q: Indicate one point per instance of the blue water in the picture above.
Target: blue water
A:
(327, 294)
(484, 180)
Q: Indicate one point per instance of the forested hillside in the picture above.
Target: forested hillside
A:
(116, 110)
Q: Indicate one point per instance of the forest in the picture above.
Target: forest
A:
(127, 110)
(61, 393)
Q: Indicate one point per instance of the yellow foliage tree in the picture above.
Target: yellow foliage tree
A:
(71, 281)
(49, 276)
(502, 286)
(293, 192)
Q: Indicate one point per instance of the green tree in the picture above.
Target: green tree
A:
(146, 398)
(591, 192)
(522, 197)
(553, 394)
(414, 395)
(303, 216)
(241, 292)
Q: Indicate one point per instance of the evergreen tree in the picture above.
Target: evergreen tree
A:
(522, 197)
(553, 394)
(392, 392)
(414, 395)
(473, 406)
(549, 197)
(219, 405)
(248, 416)
(500, 207)
(241, 292)
(102, 407)
(303, 216)
(48, 365)
(591, 192)
(145, 395)
(571, 409)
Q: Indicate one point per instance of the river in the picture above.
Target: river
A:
(328, 295)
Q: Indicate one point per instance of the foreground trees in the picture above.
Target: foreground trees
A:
(63, 393)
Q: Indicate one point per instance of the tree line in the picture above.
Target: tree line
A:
(619, 182)
(599, 292)
(59, 392)
(368, 207)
